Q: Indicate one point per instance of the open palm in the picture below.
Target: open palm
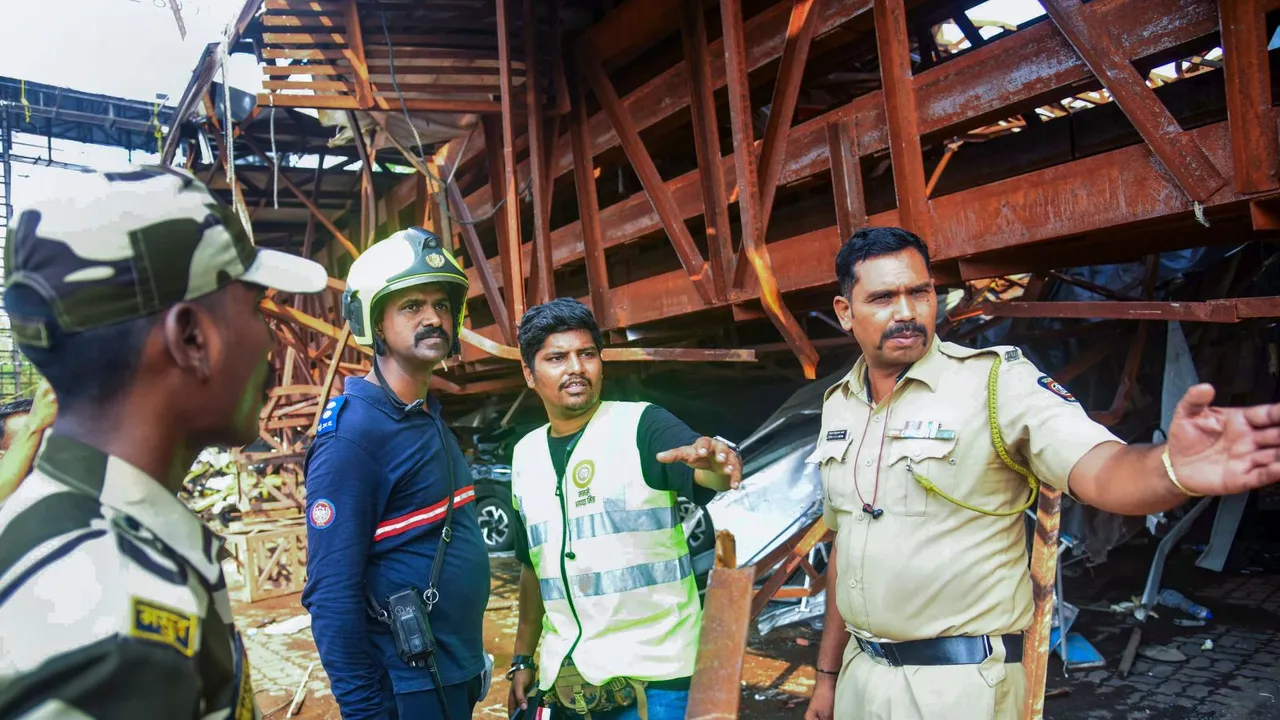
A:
(1223, 450)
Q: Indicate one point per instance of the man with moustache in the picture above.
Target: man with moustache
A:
(136, 295)
(606, 582)
(929, 569)
(397, 570)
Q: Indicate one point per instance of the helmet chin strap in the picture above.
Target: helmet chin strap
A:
(395, 399)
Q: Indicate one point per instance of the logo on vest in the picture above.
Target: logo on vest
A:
(583, 473)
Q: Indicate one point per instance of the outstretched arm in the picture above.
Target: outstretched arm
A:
(715, 465)
(1210, 451)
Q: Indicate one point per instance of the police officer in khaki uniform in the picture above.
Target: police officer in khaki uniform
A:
(136, 296)
(929, 570)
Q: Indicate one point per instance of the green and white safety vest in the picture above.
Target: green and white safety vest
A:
(626, 604)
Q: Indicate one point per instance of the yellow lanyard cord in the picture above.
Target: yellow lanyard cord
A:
(998, 441)
(25, 105)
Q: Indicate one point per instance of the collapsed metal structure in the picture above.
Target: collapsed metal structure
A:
(689, 168)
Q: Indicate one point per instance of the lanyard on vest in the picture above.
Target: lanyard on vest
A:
(564, 479)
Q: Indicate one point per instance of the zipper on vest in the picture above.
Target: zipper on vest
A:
(564, 570)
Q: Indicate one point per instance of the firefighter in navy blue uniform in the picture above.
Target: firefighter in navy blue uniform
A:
(386, 547)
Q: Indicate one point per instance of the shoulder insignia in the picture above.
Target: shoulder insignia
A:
(329, 418)
(1056, 388)
(321, 514)
(1011, 355)
(153, 622)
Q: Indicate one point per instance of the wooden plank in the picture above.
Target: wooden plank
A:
(706, 141)
(589, 209)
(286, 70)
(753, 242)
(269, 53)
(894, 46)
(846, 177)
(1255, 147)
(510, 245)
(1179, 154)
(645, 169)
(313, 85)
(304, 21)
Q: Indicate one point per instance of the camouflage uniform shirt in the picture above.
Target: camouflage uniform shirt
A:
(112, 599)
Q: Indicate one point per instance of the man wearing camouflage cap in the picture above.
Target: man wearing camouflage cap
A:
(136, 295)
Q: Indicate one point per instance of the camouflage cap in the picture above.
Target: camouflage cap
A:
(114, 246)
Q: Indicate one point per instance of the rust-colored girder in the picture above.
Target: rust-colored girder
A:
(715, 691)
(846, 177)
(584, 181)
(1255, 148)
(1212, 311)
(706, 142)
(510, 248)
(658, 192)
(302, 198)
(782, 107)
(1044, 575)
(753, 241)
(894, 45)
(1176, 149)
(1056, 202)
(951, 95)
(542, 287)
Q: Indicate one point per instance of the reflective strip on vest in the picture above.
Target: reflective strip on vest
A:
(613, 582)
(425, 516)
(609, 523)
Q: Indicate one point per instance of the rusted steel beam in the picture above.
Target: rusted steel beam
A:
(488, 280)
(584, 181)
(1128, 380)
(706, 142)
(1255, 147)
(1053, 203)
(509, 250)
(951, 95)
(668, 93)
(354, 53)
(894, 45)
(1212, 311)
(794, 558)
(1044, 575)
(753, 241)
(716, 689)
(542, 285)
(846, 177)
(677, 355)
(782, 107)
(659, 194)
(631, 27)
(1177, 150)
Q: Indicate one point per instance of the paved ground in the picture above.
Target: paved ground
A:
(1237, 678)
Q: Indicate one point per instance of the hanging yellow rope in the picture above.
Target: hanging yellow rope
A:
(25, 105)
(998, 441)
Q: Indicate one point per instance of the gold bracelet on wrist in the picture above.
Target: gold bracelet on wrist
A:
(1173, 477)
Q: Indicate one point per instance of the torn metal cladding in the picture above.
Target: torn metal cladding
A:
(1024, 66)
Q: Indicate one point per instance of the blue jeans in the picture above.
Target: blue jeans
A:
(663, 705)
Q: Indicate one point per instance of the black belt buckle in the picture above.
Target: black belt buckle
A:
(882, 651)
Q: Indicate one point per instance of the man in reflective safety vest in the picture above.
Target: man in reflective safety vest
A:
(607, 583)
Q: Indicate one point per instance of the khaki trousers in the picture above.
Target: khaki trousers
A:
(870, 689)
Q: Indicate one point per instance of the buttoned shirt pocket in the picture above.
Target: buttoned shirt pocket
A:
(931, 458)
(836, 473)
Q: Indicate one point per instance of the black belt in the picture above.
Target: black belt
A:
(942, 651)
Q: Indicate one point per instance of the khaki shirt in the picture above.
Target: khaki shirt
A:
(928, 568)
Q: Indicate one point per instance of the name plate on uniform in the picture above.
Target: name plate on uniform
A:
(922, 430)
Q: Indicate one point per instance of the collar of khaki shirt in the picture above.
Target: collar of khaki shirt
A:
(128, 490)
(928, 370)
